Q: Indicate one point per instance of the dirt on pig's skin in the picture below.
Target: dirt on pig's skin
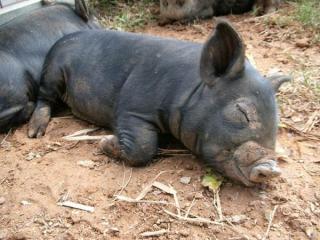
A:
(35, 174)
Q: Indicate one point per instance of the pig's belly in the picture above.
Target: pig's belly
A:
(92, 102)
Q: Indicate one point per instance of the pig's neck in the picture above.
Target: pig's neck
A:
(184, 120)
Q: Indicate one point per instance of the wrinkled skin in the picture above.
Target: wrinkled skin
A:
(173, 10)
(207, 96)
(24, 43)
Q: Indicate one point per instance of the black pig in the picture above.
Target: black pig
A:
(207, 96)
(173, 10)
(24, 43)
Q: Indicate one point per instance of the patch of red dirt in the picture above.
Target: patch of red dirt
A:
(36, 173)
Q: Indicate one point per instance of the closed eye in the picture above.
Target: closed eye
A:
(241, 114)
(243, 111)
(235, 117)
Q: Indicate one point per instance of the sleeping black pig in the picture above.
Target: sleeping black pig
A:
(175, 10)
(24, 44)
(206, 95)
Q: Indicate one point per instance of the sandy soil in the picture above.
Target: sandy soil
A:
(36, 174)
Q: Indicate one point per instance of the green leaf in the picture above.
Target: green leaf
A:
(212, 180)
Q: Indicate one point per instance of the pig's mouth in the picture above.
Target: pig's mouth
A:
(251, 164)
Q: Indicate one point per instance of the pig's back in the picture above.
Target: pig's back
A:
(28, 38)
(129, 71)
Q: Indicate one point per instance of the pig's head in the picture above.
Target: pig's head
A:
(234, 115)
(16, 97)
(171, 10)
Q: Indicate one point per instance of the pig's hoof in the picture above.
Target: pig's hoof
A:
(39, 121)
(37, 128)
(110, 146)
(36, 132)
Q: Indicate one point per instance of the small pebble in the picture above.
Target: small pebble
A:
(312, 233)
(198, 196)
(2, 200)
(190, 197)
(302, 43)
(184, 233)
(24, 202)
(3, 234)
(86, 163)
(185, 180)
(238, 219)
(189, 167)
(32, 155)
(317, 195)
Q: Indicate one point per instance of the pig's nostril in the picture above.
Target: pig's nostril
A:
(261, 175)
(263, 172)
(180, 3)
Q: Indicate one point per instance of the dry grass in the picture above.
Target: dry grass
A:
(300, 101)
(125, 15)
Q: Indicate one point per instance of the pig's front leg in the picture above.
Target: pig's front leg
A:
(39, 119)
(135, 142)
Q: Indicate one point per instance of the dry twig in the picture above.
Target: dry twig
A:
(81, 135)
(176, 200)
(132, 200)
(82, 132)
(311, 122)
(270, 222)
(4, 139)
(3, 180)
(312, 173)
(259, 17)
(124, 185)
(77, 206)
(189, 209)
(64, 117)
(149, 186)
(310, 136)
(84, 138)
(169, 190)
(217, 205)
(164, 188)
(154, 234)
(192, 220)
(69, 147)
(173, 152)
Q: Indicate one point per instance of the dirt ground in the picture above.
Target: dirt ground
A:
(36, 174)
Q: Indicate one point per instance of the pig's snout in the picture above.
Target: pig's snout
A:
(250, 164)
(264, 171)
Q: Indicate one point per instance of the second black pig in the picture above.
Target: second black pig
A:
(176, 10)
(24, 44)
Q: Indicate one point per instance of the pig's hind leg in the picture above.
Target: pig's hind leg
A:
(135, 142)
(39, 120)
(52, 86)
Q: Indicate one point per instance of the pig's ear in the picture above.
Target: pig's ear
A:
(277, 80)
(82, 9)
(223, 55)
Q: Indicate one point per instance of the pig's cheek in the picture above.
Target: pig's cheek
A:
(232, 170)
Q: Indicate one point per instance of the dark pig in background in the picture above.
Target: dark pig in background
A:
(24, 43)
(206, 95)
(175, 10)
